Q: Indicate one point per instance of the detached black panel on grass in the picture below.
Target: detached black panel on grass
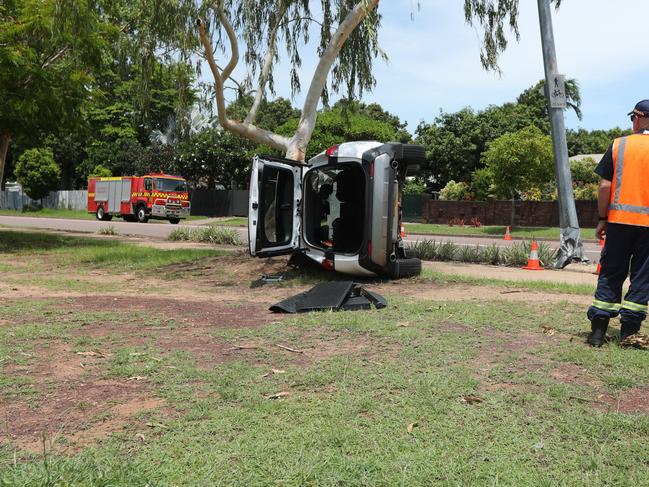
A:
(336, 296)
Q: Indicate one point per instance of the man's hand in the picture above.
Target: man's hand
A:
(600, 231)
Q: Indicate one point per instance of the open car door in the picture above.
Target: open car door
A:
(274, 216)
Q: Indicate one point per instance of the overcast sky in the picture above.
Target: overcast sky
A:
(434, 60)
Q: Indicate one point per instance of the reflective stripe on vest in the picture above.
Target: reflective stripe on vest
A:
(629, 203)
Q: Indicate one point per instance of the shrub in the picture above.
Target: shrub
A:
(212, 234)
(37, 172)
(456, 222)
(413, 186)
(454, 191)
(108, 230)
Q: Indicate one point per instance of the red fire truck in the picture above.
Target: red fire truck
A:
(138, 198)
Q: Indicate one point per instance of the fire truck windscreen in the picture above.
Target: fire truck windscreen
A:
(177, 185)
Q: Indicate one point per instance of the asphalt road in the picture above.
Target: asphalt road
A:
(162, 229)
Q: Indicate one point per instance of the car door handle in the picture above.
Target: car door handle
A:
(255, 206)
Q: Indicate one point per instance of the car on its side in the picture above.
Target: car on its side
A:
(342, 209)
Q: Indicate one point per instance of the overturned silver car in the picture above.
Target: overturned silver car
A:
(342, 209)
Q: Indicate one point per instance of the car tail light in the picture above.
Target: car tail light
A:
(332, 151)
(328, 264)
(369, 248)
(372, 169)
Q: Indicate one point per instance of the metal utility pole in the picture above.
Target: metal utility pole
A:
(571, 249)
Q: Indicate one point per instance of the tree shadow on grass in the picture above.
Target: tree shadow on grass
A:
(12, 242)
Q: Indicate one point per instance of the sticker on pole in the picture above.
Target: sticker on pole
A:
(558, 91)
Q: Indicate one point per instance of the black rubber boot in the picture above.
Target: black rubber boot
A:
(597, 335)
(627, 329)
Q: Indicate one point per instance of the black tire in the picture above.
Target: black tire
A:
(405, 268)
(174, 221)
(140, 214)
(414, 154)
(100, 214)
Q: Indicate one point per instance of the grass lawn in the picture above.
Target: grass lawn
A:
(235, 221)
(491, 231)
(161, 387)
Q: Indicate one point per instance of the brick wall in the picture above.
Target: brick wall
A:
(528, 213)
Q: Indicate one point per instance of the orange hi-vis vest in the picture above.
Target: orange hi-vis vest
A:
(629, 202)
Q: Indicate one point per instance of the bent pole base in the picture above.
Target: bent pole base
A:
(570, 248)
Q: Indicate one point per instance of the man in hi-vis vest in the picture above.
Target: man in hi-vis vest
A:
(623, 204)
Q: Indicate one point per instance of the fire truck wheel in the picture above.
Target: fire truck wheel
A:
(174, 221)
(100, 213)
(141, 215)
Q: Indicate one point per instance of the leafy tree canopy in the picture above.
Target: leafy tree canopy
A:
(520, 161)
(37, 172)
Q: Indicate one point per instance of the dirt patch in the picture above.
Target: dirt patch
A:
(628, 401)
(75, 414)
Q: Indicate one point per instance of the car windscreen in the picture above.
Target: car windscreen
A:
(177, 185)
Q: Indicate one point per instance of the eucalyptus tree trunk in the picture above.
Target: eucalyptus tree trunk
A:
(294, 147)
(5, 140)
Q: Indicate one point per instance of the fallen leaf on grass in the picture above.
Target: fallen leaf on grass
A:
(471, 399)
(140, 437)
(636, 341)
(278, 395)
(136, 377)
(157, 425)
(411, 426)
(274, 372)
(91, 354)
(548, 330)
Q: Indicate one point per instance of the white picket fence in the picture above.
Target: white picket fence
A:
(69, 200)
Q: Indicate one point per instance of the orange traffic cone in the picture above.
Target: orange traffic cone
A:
(507, 235)
(599, 263)
(403, 231)
(533, 263)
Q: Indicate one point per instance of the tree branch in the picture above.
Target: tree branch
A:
(268, 63)
(298, 143)
(55, 57)
(247, 130)
(234, 45)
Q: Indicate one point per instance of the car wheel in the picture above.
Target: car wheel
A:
(99, 214)
(405, 268)
(414, 154)
(140, 214)
(174, 221)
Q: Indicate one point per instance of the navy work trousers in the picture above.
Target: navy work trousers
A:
(626, 251)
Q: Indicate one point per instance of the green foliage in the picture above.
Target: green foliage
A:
(520, 161)
(582, 141)
(583, 171)
(336, 126)
(37, 172)
(217, 157)
(482, 184)
(100, 172)
(413, 187)
(454, 191)
(213, 234)
(515, 255)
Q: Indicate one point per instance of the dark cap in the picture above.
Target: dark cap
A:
(641, 109)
